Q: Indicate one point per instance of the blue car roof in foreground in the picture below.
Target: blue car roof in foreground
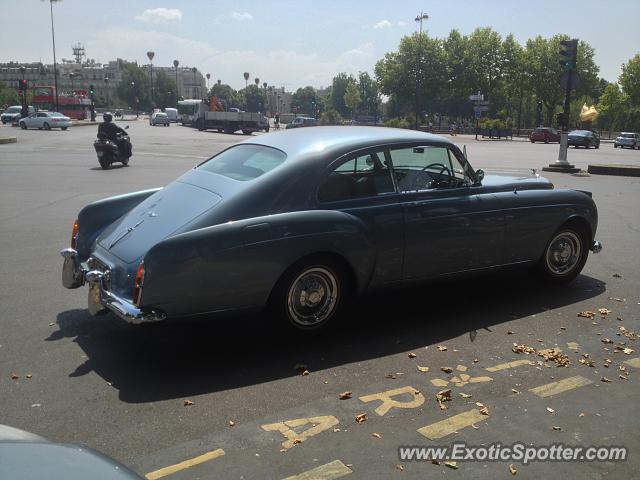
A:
(301, 142)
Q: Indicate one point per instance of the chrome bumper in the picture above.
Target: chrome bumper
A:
(596, 247)
(76, 274)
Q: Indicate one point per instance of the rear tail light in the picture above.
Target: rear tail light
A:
(74, 235)
(137, 285)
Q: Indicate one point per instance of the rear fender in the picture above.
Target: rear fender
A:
(236, 265)
(96, 216)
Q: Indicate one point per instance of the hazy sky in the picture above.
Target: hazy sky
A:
(300, 42)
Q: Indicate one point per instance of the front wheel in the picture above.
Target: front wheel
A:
(23, 125)
(104, 163)
(47, 126)
(565, 254)
(64, 128)
(310, 294)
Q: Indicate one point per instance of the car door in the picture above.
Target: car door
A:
(39, 119)
(450, 226)
(362, 185)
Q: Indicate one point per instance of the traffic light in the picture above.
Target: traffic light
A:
(568, 54)
(91, 90)
(23, 85)
(562, 119)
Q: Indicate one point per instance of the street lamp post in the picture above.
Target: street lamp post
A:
(150, 55)
(195, 87)
(419, 18)
(53, 41)
(71, 75)
(136, 99)
(25, 111)
(106, 92)
(175, 65)
(208, 77)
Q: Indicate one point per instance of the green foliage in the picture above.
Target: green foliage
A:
(338, 89)
(8, 96)
(305, 101)
(140, 89)
(331, 117)
(352, 97)
(252, 98)
(164, 91)
(398, 123)
(494, 123)
(225, 93)
(630, 80)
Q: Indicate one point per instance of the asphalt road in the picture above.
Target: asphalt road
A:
(122, 389)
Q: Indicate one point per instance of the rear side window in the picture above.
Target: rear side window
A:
(244, 162)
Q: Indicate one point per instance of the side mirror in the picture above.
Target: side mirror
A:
(479, 175)
(126, 127)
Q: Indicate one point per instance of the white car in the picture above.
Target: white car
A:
(627, 140)
(46, 120)
(172, 113)
(159, 118)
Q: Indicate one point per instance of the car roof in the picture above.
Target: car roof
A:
(325, 139)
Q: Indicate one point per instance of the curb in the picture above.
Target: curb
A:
(615, 169)
(8, 140)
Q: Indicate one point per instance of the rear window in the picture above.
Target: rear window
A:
(244, 162)
(627, 135)
(14, 109)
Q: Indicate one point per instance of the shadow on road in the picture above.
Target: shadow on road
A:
(182, 358)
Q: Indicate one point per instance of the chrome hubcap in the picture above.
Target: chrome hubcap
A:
(312, 297)
(563, 253)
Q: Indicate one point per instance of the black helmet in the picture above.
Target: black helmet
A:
(107, 117)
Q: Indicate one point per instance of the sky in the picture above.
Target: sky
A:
(299, 42)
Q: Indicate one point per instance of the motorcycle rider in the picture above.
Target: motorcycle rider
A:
(115, 134)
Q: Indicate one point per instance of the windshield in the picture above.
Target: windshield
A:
(56, 114)
(580, 132)
(244, 162)
(627, 135)
(187, 109)
(13, 109)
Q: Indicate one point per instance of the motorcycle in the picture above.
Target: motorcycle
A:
(109, 151)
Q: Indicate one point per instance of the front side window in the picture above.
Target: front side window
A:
(361, 176)
(244, 162)
(427, 167)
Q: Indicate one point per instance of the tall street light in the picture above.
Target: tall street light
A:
(150, 55)
(53, 41)
(71, 75)
(175, 65)
(208, 77)
(196, 90)
(419, 18)
(106, 91)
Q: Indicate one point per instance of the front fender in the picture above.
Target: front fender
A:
(96, 216)
(236, 265)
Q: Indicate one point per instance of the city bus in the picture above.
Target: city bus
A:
(187, 110)
(74, 105)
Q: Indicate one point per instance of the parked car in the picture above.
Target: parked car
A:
(583, 138)
(159, 118)
(13, 113)
(544, 134)
(172, 113)
(303, 122)
(627, 140)
(299, 222)
(45, 120)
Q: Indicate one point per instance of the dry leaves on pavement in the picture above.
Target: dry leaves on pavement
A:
(446, 369)
(412, 355)
(423, 369)
(443, 396)
(587, 314)
(512, 469)
(442, 348)
(361, 418)
(345, 395)
(188, 403)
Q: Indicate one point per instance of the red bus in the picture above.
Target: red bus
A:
(74, 105)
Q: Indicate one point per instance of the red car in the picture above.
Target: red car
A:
(544, 134)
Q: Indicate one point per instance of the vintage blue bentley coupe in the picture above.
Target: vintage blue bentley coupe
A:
(298, 222)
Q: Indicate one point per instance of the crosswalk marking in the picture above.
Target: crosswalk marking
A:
(560, 386)
(634, 362)
(328, 471)
(505, 366)
(452, 424)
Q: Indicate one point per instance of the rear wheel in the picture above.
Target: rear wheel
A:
(125, 161)
(246, 132)
(310, 294)
(63, 128)
(546, 139)
(565, 254)
(46, 126)
(23, 125)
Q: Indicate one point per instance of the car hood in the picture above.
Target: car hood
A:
(505, 181)
(155, 219)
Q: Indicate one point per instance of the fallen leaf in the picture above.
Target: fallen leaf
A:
(522, 348)
(305, 373)
(435, 462)
(412, 355)
(296, 441)
(361, 418)
(465, 395)
(581, 415)
(604, 311)
(51, 324)
(423, 369)
(461, 368)
(15, 376)
(475, 360)
(231, 423)
(400, 467)
(573, 346)
(551, 411)
(605, 380)
(336, 430)
(29, 375)
(484, 410)
(563, 328)
(188, 403)
(345, 395)
(377, 435)
(326, 382)
(453, 465)
(617, 275)
(513, 390)
(479, 404)
(446, 369)
(555, 354)
(556, 428)
(442, 348)
(606, 340)
(512, 469)
(627, 351)
(509, 332)
(587, 314)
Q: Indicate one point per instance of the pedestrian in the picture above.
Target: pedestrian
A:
(430, 126)
(277, 121)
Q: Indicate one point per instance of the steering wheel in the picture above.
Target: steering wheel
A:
(438, 176)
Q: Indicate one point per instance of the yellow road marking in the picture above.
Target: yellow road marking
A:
(388, 403)
(163, 472)
(317, 425)
(452, 424)
(555, 388)
(634, 362)
(328, 471)
(505, 366)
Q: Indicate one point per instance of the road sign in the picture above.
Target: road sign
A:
(481, 109)
(483, 102)
(475, 98)
(478, 113)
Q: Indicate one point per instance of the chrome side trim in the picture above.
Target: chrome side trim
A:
(596, 247)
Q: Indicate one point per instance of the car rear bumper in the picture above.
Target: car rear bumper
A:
(76, 274)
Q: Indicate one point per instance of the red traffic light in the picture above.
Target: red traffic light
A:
(23, 84)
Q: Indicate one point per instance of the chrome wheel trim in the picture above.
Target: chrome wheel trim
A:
(312, 297)
(563, 253)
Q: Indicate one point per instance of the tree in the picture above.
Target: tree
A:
(252, 98)
(370, 94)
(8, 96)
(612, 107)
(305, 101)
(352, 98)
(139, 90)
(630, 80)
(338, 89)
(165, 90)
(485, 60)
(225, 93)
